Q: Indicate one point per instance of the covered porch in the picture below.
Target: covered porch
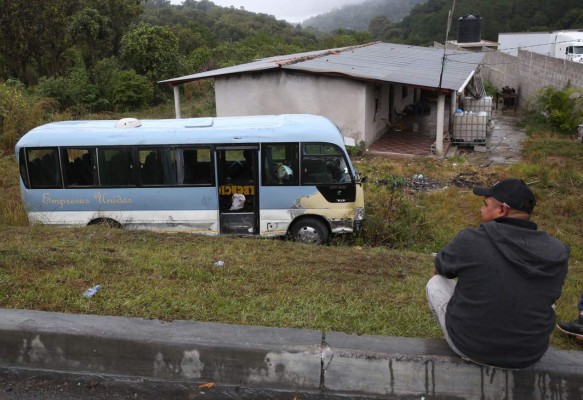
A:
(413, 135)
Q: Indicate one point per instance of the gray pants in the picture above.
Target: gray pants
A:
(439, 291)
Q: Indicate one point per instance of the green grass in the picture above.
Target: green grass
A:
(349, 289)
(349, 286)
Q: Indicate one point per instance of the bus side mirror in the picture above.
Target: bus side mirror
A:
(364, 179)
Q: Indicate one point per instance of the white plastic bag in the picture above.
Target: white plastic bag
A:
(238, 202)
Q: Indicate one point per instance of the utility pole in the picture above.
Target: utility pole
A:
(449, 16)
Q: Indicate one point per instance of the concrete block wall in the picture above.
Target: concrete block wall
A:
(529, 72)
(501, 69)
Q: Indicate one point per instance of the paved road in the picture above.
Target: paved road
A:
(16, 384)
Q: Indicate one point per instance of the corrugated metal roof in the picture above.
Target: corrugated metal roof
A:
(384, 62)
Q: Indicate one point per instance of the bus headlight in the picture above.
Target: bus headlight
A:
(359, 214)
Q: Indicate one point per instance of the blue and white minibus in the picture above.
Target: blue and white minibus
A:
(253, 175)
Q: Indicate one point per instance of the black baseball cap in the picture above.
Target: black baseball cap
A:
(514, 193)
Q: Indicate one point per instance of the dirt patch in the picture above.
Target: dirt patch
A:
(479, 159)
(420, 183)
(556, 160)
(468, 180)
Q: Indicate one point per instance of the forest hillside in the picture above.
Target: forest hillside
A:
(427, 22)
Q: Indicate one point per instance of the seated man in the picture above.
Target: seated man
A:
(509, 275)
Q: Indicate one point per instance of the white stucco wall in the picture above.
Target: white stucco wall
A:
(343, 101)
(403, 101)
(377, 117)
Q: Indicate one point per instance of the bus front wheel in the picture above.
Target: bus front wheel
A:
(309, 230)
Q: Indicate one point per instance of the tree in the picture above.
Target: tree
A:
(192, 36)
(15, 37)
(377, 25)
(151, 51)
(32, 36)
(91, 32)
(120, 15)
(52, 30)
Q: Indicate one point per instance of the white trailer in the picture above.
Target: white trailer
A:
(566, 45)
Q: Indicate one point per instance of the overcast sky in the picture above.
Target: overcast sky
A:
(290, 10)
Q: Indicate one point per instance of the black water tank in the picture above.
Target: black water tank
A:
(468, 29)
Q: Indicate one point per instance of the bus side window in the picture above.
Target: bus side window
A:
(78, 167)
(280, 164)
(43, 168)
(151, 167)
(116, 166)
(197, 166)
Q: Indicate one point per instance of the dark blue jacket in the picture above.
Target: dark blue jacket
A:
(509, 276)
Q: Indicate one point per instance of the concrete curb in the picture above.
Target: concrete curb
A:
(273, 358)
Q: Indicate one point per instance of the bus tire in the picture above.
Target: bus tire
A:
(310, 230)
(108, 222)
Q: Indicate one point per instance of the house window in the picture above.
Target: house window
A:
(404, 92)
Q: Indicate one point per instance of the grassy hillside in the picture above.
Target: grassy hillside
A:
(373, 284)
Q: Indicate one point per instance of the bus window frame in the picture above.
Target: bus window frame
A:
(94, 167)
(59, 184)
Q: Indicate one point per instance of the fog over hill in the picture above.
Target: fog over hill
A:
(357, 16)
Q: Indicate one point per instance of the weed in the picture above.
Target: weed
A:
(11, 208)
(456, 159)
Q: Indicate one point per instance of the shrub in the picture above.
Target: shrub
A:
(393, 219)
(73, 90)
(490, 89)
(558, 109)
(130, 90)
(20, 112)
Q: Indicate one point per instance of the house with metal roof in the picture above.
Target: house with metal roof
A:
(359, 88)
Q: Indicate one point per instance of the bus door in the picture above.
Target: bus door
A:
(238, 189)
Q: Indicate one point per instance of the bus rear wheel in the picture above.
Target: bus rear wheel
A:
(310, 231)
(108, 222)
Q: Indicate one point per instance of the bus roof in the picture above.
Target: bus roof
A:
(224, 130)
